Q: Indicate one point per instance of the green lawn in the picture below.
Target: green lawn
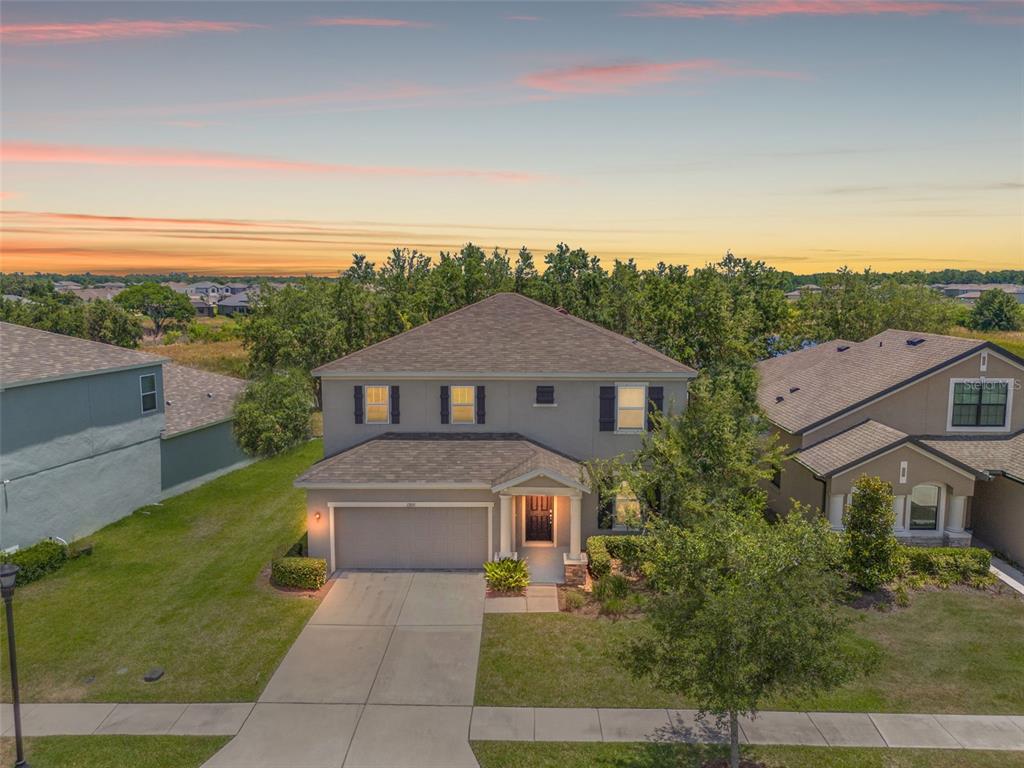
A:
(115, 751)
(176, 585)
(500, 754)
(1012, 341)
(953, 651)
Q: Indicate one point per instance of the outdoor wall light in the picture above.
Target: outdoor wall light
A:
(317, 516)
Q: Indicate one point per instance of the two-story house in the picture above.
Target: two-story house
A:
(462, 440)
(941, 418)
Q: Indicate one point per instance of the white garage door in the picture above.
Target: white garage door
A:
(410, 537)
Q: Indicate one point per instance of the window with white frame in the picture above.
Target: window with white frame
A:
(924, 508)
(979, 403)
(147, 389)
(463, 404)
(621, 511)
(630, 407)
(377, 404)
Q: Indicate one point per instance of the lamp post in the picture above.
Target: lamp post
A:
(8, 574)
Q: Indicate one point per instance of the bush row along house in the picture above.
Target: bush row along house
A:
(89, 432)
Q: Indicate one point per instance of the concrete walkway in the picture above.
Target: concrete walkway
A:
(1007, 574)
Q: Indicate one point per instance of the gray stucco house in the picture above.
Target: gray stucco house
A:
(89, 432)
(941, 418)
(461, 440)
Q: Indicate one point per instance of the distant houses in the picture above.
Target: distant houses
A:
(969, 293)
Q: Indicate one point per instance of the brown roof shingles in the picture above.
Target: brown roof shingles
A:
(507, 334)
(849, 447)
(1004, 455)
(196, 398)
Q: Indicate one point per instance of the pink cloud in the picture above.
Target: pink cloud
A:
(767, 8)
(113, 29)
(354, 21)
(31, 152)
(616, 78)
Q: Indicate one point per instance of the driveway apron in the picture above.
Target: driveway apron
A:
(382, 675)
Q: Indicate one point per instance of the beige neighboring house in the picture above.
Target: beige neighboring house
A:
(941, 418)
(463, 440)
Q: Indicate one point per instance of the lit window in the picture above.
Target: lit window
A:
(979, 403)
(463, 405)
(620, 512)
(376, 405)
(147, 386)
(631, 407)
(924, 508)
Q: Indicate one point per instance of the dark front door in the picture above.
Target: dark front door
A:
(540, 518)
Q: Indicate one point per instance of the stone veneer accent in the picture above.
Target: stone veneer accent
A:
(937, 539)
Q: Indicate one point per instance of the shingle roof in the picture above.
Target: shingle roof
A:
(828, 381)
(238, 299)
(1003, 454)
(849, 447)
(507, 334)
(480, 459)
(29, 355)
(195, 398)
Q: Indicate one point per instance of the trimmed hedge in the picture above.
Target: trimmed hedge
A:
(600, 561)
(299, 572)
(948, 565)
(631, 550)
(37, 561)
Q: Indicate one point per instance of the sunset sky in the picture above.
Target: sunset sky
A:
(279, 138)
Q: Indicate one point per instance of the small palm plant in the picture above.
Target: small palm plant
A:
(507, 575)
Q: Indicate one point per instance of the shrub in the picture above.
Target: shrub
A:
(600, 562)
(614, 606)
(871, 545)
(946, 566)
(38, 560)
(299, 572)
(574, 600)
(272, 414)
(507, 575)
(631, 551)
(611, 587)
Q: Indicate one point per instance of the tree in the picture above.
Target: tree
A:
(107, 322)
(996, 310)
(273, 413)
(744, 609)
(98, 320)
(157, 302)
(870, 543)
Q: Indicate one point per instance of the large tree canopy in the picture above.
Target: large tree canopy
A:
(159, 303)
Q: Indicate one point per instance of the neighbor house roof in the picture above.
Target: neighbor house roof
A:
(479, 460)
(195, 398)
(29, 356)
(849, 447)
(238, 299)
(800, 390)
(508, 335)
(995, 455)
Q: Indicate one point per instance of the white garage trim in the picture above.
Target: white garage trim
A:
(335, 505)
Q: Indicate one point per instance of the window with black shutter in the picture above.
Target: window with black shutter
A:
(655, 404)
(395, 409)
(357, 396)
(445, 411)
(606, 417)
(606, 511)
(545, 394)
(481, 408)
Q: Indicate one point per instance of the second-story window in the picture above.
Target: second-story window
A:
(463, 405)
(630, 407)
(147, 388)
(979, 403)
(377, 405)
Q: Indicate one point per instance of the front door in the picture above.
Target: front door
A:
(540, 518)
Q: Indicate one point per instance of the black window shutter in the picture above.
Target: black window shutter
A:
(357, 394)
(606, 419)
(545, 394)
(395, 409)
(445, 412)
(655, 403)
(481, 408)
(605, 511)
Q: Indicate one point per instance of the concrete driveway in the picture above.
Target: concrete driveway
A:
(383, 675)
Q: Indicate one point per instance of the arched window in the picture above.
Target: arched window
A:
(924, 508)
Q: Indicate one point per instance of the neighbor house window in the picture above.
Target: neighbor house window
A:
(147, 387)
(463, 405)
(924, 508)
(377, 405)
(979, 403)
(631, 407)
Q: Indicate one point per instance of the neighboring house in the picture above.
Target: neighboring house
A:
(203, 308)
(63, 286)
(941, 418)
(106, 292)
(237, 303)
(18, 299)
(969, 293)
(177, 287)
(234, 288)
(212, 292)
(809, 288)
(463, 440)
(89, 432)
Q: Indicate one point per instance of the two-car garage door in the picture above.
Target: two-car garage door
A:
(410, 537)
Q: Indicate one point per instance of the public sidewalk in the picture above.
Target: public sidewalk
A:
(823, 729)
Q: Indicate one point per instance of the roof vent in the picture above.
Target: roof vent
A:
(209, 394)
(779, 398)
(793, 389)
(915, 341)
(562, 311)
(842, 348)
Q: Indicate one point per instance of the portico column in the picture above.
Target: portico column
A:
(899, 505)
(835, 511)
(575, 520)
(505, 532)
(955, 514)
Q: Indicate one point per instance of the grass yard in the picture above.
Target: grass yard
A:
(950, 651)
(498, 754)
(227, 357)
(176, 585)
(1012, 341)
(114, 751)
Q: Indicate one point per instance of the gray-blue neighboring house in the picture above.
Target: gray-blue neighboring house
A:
(89, 432)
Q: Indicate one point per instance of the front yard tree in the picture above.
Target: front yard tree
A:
(157, 302)
(273, 413)
(996, 310)
(745, 610)
(871, 545)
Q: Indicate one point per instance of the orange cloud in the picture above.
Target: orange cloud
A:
(112, 29)
(63, 154)
(616, 78)
(768, 8)
(353, 21)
